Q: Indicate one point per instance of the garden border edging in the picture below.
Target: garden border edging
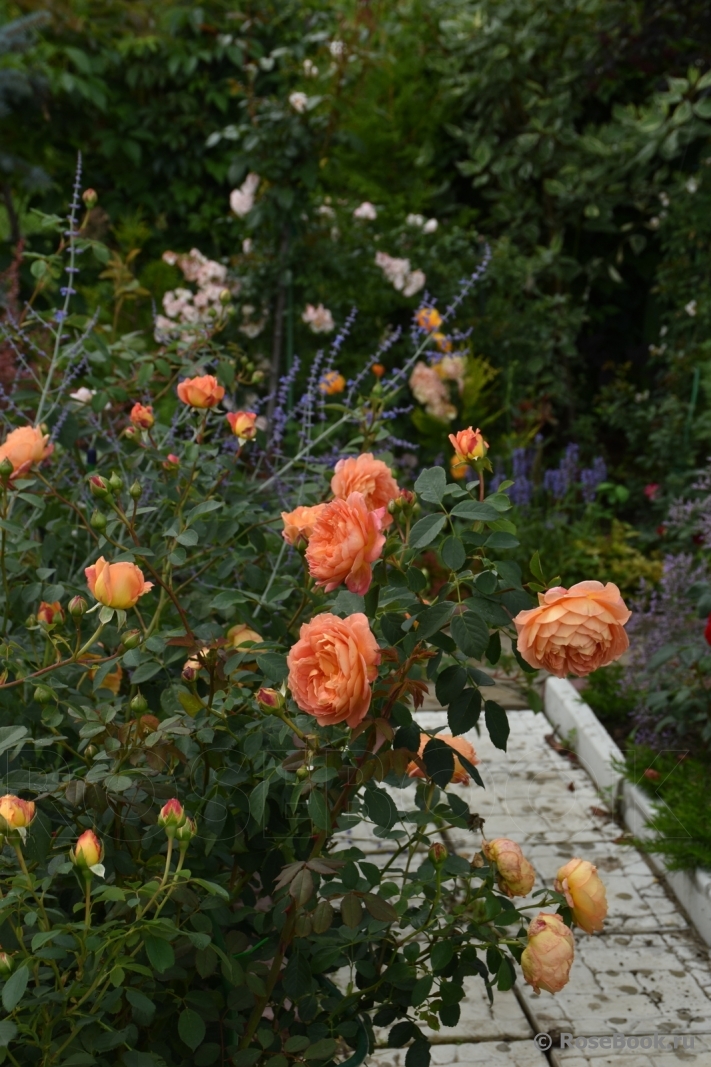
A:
(598, 754)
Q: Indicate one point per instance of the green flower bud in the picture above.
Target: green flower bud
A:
(131, 639)
(43, 694)
(437, 854)
(78, 607)
(99, 487)
(139, 704)
(98, 520)
(6, 470)
(136, 491)
(116, 482)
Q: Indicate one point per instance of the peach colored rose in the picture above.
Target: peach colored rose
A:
(142, 416)
(332, 383)
(299, 523)
(243, 424)
(548, 957)
(25, 447)
(15, 814)
(117, 585)
(585, 892)
(428, 319)
(201, 392)
(242, 634)
(469, 444)
(369, 476)
(331, 668)
(515, 874)
(460, 745)
(50, 612)
(574, 631)
(346, 539)
(88, 851)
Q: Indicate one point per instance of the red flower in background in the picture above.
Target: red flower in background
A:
(707, 631)
(651, 490)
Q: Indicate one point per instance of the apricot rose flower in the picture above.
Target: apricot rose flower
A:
(549, 954)
(116, 585)
(585, 893)
(346, 539)
(201, 392)
(299, 523)
(25, 447)
(369, 476)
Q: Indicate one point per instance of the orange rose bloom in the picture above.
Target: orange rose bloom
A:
(369, 476)
(142, 417)
(460, 745)
(469, 444)
(548, 957)
(243, 424)
(299, 523)
(15, 814)
(331, 667)
(117, 585)
(574, 631)
(331, 383)
(201, 392)
(585, 892)
(49, 613)
(515, 874)
(24, 447)
(345, 540)
(428, 319)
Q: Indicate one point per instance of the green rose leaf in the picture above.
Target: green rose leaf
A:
(439, 761)
(191, 1028)
(431, 484)
(159, 952)
(425, 530)
(471, 634)
(497, 723)
(463, 712)
(450, 682)
(454, 554)
(14, 988)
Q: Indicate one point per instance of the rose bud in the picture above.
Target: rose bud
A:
(270, 700)
(172, 816)
(50, 613)
(23, 449)
(548, 957)
(378, 370)
(15, 814)
(243, 424)
(98, 520)
(185, 833)
(87, 852)
(225, 297)
(241, 634)
(99, 486)
(515, 874)
(116, 482)
(90, 198)
(116, 585)
(201, 392)
(43, 694)
(138, 704)
(171, 462)
(142, 416)
(584, 891)
(469, 445)
(188, 672)
(6, 965)
(458, 467)
(437, 854)
(77, 607)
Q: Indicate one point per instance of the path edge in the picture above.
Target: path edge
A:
(600, 757)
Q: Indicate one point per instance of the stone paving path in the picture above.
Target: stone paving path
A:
(647, 974)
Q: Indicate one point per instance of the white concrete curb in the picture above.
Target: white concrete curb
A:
(578, 725)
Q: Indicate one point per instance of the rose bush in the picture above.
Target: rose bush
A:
(196, 763)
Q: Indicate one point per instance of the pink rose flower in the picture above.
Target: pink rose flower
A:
(331, 668)
(346, 539)
(574, 631)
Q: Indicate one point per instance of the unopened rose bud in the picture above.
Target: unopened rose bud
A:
(78, 607)
(171, 462)
(585, 893)
(98, 520)
(139, 704)
(225, 297)
(515, 874)
(378, 370)
(99, 487)
(131, 639)
(6, 965)
(548, 957)
(50, 613)
(437, 854)
(15, 814)
(6, 470)
(135, 491)
(90, 751)
(43, 694)
(116, 482)
(302, 772)
(189, 673)
(88, 851)
(30, 621)
(270, 700)
(90, 198)
(185, 833)
(172, 815)
(257, 377)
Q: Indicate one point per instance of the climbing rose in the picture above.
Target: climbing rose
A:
(117, 585)
(460, 746)
(25, 447)
(346, 539)
(201, 392)
(469, 444)
(515, 874)
(548, 957)
(585, 892)
(299, 523)
(574, 631)
(369, 476)
(331, 668)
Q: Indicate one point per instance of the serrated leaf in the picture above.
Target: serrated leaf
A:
(433, 619)
(379, 807)
(470, 633)
(500, 539)
(321, 919)
(454, 554)
(191, 1028)
(441, 955)
(408, 737)
(418, 1054)
(476, 511)
(302, 887)
(379, 908)
(431, 484)
(450, 682)
(351, 910)
(159, 952)
(463, 712)
(258, 801)
(321, 1050)
(421, 990)
(8, 1032)
(318, 810)
(425, 530)
(497, 724)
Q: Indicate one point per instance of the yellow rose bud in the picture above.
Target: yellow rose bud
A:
(469, 445)
(548, 957)
(243, 424)
(15, 814)
(515, 874)
(88, 851)
(584, 891)
(117, 585)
